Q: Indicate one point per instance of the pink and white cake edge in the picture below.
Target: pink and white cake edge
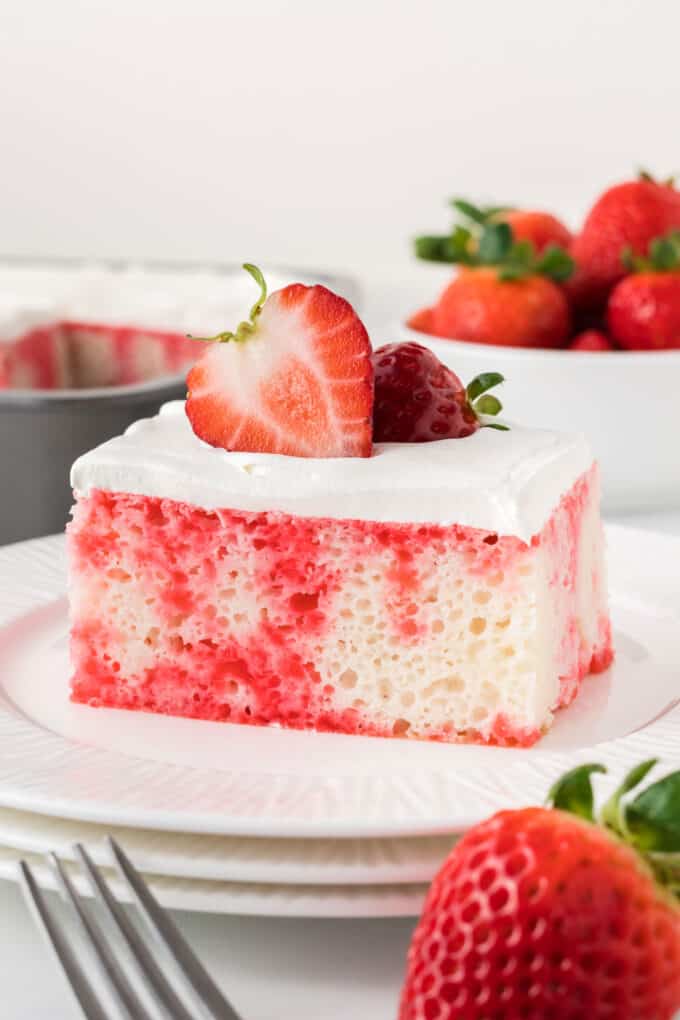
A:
(72, 327)
(74, 355)
(423, 629)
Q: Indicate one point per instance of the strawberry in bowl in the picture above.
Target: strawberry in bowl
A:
(541, 310)
(591, 340)
(541, 229)
(643, 311)
(505, 292)
(548, 913)
(627, 216)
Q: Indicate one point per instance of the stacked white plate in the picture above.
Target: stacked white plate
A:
(238, 819)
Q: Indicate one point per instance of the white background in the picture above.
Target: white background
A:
(324, 135)
(314, 132)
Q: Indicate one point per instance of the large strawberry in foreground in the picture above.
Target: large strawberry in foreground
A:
(540, 914)
(296, 378)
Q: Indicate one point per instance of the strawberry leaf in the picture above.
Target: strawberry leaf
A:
(663, 255)
(483, 382)
(519, 262)
(667, 869)
(664, 252)
(470, 211)
(489, 241)
(653, 818)
(496, 211)
(479, 214)
(495, 425)
(495, 244)
(509, 273)
(488, 405)
(433, 248)
(555, 263)
(452, 247)
(574, 792)
(644, 175)
(459, 244)
(611, 814)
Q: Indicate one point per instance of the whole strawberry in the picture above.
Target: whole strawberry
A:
(644, 308)
(591, 340)
(418, 399)
(504, 293)
(540, 914)
(482, 306)
(295, 378)
(421, 321)
(627, 215)
(541, 229)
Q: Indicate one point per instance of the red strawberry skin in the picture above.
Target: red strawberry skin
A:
(538, 915)
(300, 385)
(629, 214)
(591, 340)
(541, 228)
(644, 312)
(422, 320)
(479, 307)
(417, 398)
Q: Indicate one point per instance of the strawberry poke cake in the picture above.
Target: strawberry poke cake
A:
(332, 538)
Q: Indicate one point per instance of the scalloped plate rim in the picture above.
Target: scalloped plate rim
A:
(423, 803)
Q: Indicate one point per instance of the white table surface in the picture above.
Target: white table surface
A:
(273, 969)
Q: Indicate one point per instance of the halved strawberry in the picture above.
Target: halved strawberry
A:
(295, 379)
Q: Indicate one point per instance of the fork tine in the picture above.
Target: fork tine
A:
(139, 949)
(162, 923)
(83, 991)
(125, 993)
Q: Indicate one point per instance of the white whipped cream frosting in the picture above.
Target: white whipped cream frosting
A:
(505, 482)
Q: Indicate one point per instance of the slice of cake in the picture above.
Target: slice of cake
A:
(447, 590)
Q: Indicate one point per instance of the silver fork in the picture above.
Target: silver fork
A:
(188, 967)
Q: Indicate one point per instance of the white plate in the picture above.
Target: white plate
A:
(308, 862)
(147, 771)
(242, 897)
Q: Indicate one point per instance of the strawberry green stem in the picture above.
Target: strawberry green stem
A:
(262, 284)
(613, 813)
(645, 175)
(248, 326)
(492, 243)
(484, 403)
(476, 213)
(663, 255)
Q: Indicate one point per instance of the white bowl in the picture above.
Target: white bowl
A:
(625, 402)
